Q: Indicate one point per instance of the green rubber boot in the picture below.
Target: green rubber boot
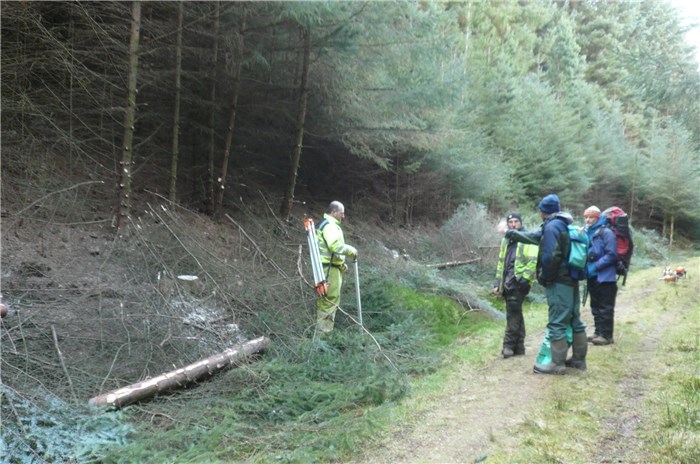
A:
(580, 349)
(557, 366)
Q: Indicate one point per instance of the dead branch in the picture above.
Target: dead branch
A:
(55, 193)
(453, 263)
(275, 265)
(63, 362)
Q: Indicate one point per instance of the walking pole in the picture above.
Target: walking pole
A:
(357, 293)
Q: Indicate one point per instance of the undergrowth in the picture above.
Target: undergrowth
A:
(50, 430)
(303, 401)
(312, 400)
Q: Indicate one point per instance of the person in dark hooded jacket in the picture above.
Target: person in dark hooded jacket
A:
(515, 274)
(602, 276)
(562, 291)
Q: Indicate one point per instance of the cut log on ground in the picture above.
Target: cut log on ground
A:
(453, 263)
(180, 377)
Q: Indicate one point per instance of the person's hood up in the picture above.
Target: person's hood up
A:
(566, 217)
(600, 222)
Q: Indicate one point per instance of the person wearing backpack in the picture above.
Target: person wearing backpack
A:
(333, 250)
(515, 274)
(602, 275)
(561, 289)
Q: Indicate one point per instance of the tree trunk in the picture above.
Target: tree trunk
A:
(180, 377)
(671, 226)
(286, 207)
(453, 263)
(209, 193)
(633, 189)
(221, 181)
(124, 188)
(397, 188)
(71, 136)
(663, 226)
(176, 111)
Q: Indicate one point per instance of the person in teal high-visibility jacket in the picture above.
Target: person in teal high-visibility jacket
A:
(334, 250)
(515, 273)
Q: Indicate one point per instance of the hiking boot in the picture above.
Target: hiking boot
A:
(591, 337)
(519, 351)
(557, 366)
(579, 349)
(508, 352)
(601, 341)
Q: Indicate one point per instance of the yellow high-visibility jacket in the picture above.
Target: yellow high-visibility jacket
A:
(331, 242)
(525, 263)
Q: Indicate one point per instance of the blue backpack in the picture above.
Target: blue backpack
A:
(578, 252)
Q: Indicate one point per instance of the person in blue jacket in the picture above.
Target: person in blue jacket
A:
(602, 277)
(562, 291)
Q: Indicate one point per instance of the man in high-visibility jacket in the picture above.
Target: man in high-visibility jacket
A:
(334, 250)
(515, 273)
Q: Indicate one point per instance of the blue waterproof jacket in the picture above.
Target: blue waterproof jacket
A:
(602, 253)
(553, 239)
(554, 250)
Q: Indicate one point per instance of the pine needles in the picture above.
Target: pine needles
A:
(49, 430)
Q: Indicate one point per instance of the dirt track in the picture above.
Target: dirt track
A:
(482, 411)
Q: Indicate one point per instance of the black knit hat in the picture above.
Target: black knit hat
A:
(514, 215)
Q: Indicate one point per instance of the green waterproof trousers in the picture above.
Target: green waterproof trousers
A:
(564, 304)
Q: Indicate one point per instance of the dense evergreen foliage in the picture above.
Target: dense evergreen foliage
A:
(427, 119)
(407, 105)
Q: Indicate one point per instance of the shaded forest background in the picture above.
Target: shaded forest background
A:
(405, 109)
(145, 140)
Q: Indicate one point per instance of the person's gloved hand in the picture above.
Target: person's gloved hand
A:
(352, 252)
(524, 285)
(620, 267)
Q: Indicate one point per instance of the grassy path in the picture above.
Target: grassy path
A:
(638, 402)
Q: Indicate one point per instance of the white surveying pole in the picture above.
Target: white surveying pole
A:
(357, 293)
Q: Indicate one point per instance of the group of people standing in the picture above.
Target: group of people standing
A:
(543, 256)
(523, 258)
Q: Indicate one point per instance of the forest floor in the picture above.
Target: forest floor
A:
(497, 412)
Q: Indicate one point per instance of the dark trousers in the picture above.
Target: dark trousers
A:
(515, 323)
(603, 296)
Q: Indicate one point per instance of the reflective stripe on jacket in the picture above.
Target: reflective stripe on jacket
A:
(331, 242)
(525, 266)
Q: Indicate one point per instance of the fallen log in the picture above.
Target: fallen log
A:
(180, 377)
(453, 263)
